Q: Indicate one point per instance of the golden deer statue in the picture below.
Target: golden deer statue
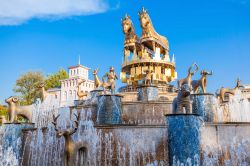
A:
(81, 94)
(149, 35)
(14, 110)
(202, 82)
(44, 93)
(188, 79)
(71, 148)
(224, 91)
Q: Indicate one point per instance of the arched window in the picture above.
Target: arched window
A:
(65, 95)
(74, 94)
(70, 94)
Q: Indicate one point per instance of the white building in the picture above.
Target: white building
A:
(69, 87)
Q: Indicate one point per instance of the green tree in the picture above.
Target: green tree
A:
(53, 80)
(26, 86)
(3, 110)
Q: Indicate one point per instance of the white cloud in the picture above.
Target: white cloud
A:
(14, 12)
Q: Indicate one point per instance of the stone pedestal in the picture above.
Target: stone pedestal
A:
(109, 109)
(13, 137)
(147, 93)
(183, 139)
(203, 106)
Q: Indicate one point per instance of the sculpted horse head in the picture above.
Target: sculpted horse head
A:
(127, 25)
(144, 19)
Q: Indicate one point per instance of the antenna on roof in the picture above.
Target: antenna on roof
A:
(173, 59)
(79, 60)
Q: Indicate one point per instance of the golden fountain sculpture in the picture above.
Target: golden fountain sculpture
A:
(202, 82)
(110, 84)
(44, 93)
(224, 91)
(148, 53)
(188, 79)
(81, 94)
(71, 147)
(183, 99)
(14, 110)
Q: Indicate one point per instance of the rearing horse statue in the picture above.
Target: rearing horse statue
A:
(149, 36)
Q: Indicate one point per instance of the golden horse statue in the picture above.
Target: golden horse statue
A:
(131, 40)
(150, 38)
(129, 31)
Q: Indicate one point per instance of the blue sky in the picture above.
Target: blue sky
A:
(215, 34)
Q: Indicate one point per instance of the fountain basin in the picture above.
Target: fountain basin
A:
(147, 93)
(203, 106)
(184, 139)
(109, 108)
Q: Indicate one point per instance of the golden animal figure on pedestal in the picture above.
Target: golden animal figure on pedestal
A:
(150, 37)
(188, 79)
(44, 93)
(14, 110)
(202, 82)
(131, 41)
(81, 94)
(224, 91)
(71, 148)
(110, 84)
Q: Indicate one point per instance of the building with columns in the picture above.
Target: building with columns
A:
(69, 87)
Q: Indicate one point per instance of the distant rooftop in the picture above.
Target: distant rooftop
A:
(246, 86)
(79, 65)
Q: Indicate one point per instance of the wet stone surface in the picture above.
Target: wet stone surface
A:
(202, 105)
(147, 93)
